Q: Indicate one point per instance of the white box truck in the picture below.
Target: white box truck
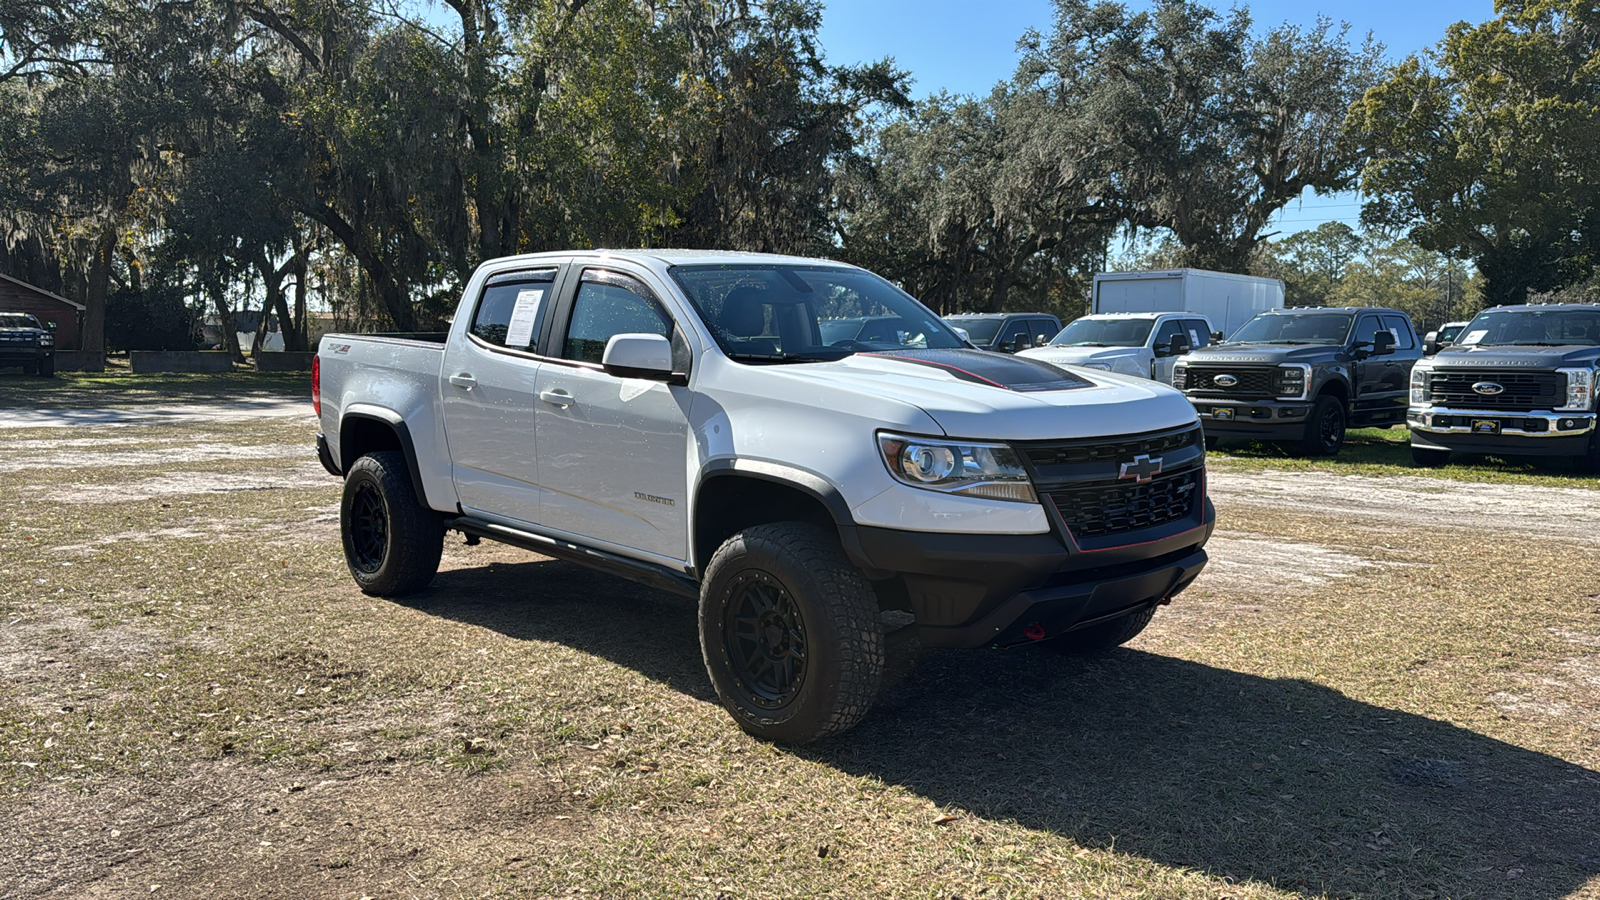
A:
(1227, 300)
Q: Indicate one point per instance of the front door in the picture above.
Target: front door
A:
(488, 396)
(613, 452)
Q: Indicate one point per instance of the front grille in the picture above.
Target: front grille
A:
(1251, 381)
(1099, 509)
(1072, 452)
(1523, 390)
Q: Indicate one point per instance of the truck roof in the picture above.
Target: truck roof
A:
(1320, 310)
(673, 257)
(1182, 314)
(1004, 315)
(1513, 307)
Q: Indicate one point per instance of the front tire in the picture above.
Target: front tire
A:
(1325, 428)
(1588, 463)
(1429, 457)
(1105, 636)
(392, 543)
(47, 367)
(790, 633)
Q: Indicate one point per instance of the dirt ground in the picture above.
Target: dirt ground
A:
(1379, 687)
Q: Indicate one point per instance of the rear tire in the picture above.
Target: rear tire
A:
(1105, 636)
(1429, 457)
(392, 543)
(790, 633)
(1325, 427)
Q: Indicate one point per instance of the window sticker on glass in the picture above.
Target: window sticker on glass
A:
(1474, 336)
(1194, 338)
(519, 333)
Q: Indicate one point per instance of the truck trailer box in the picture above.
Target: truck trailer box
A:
(1227, 300)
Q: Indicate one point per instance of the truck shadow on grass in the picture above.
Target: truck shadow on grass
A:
(1277, 781)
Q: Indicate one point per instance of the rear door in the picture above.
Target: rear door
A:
(613, 452)
(488, 403)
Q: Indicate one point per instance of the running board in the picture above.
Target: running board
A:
(651, 574)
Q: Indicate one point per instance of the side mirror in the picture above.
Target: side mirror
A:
(638, 356)
(1022, 342)
(50, 326)
(1179, 345)
(1430, 343)
(1382, 343)
(1218, 337)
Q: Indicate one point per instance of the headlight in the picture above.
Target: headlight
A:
(1180, 376)
(1580, 388)
(1420, 395)
(1290, 380)
(993, 471)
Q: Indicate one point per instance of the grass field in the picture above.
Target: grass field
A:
(197, 702)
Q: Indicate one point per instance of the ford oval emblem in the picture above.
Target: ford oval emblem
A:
(1488, 388)
(1225, 381)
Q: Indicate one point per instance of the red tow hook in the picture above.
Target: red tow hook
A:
(1165, 601)
(1034, 632)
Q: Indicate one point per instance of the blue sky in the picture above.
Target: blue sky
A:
(965, 48)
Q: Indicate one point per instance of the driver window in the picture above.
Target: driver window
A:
(1366, 330)
(1165, 332)
(608, 304)
(1013, 330)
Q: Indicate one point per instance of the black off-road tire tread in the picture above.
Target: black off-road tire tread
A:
(847, 599)
(1311, 442)
(1104, 637)
(416, 533)
(1429, 457)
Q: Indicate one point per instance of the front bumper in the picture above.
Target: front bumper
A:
(976, 590)
(1269, 419)
(17, 354)
(1499, 431)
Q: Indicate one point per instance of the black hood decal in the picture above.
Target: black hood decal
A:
(1013, 373)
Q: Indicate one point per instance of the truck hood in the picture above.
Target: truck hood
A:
(991, 396)
(1263, 354)
(1077, 356)
(1502, 357)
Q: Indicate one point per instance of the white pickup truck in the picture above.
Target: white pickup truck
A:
(1140, 343)
(678, 418)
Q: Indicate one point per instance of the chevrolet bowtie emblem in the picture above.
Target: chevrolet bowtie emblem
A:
(1142, 469)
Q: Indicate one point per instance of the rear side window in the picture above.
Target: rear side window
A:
(1198, 331)
(1402, 332)
(609, 304)
(511, 309)
(1044, 330)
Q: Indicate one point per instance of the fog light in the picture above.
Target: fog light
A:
(1567, 424)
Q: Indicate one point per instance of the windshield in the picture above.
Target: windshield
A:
(1276, 328)
(775, 313)
(981, 331)
(1105, 333)
(1533, 327)
(18, 320)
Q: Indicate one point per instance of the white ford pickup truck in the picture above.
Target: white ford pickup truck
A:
(676, 417)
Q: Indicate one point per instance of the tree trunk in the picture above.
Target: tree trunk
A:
(93, 335)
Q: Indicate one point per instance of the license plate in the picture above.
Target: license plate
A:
(1222, 414)
(1485, 426)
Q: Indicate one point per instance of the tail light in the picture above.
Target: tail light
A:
(316, 384)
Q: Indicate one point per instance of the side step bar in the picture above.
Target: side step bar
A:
(655, 576)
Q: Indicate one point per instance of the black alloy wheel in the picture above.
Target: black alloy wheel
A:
(369, 528)
(765, 637)
(1324, 434)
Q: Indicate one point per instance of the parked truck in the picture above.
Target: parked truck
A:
(1227, 300)
(676, 417)
(1518, 381)
(1303, 376)
(1144, 345)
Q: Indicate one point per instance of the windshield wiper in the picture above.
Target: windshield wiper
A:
(788, 357)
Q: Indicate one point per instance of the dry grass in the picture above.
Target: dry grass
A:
(197, 698)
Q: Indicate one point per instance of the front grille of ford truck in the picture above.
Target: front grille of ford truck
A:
(1250, 382)
(1519, 390)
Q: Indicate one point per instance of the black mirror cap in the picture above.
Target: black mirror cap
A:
(1179, 345)
(1218, 337)
(1382, 343)
(50, 326)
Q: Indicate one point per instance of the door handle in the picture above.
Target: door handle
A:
(464, 381)
(556, 398)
